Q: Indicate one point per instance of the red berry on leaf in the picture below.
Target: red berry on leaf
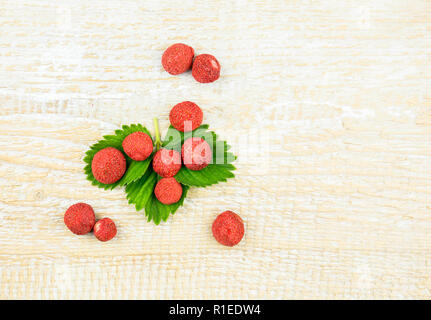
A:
(186, 116)
(167, 163)
(196, 153)
(138, 146)
(108, 165)
(168, 191)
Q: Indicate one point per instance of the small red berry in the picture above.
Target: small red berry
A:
(105, 229)
(206, 68)
(108, 165)
(178, 58)
(228, 228)
(196, 153)
(138, 146)
(167, 163)
(186, 116)
(80, 218)
(168, 191)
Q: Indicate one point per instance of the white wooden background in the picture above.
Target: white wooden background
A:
(326, 103)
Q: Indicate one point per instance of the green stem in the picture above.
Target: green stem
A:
(156, 127)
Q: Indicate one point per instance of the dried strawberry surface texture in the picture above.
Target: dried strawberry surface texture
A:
(206, 68)
(177, 58)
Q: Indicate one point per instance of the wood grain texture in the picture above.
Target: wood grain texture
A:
(327, 105)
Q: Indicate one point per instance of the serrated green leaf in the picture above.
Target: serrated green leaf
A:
(140, 191)
(141, 194)
(212, 174)
(115, 141)
(135, 170)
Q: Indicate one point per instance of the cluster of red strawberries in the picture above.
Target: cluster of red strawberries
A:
(109, 164)
(178, 58)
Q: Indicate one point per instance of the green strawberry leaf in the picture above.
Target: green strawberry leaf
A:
(218, 171)
(136, 169)
(140, 191)
(141, 194)
(210, 175)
